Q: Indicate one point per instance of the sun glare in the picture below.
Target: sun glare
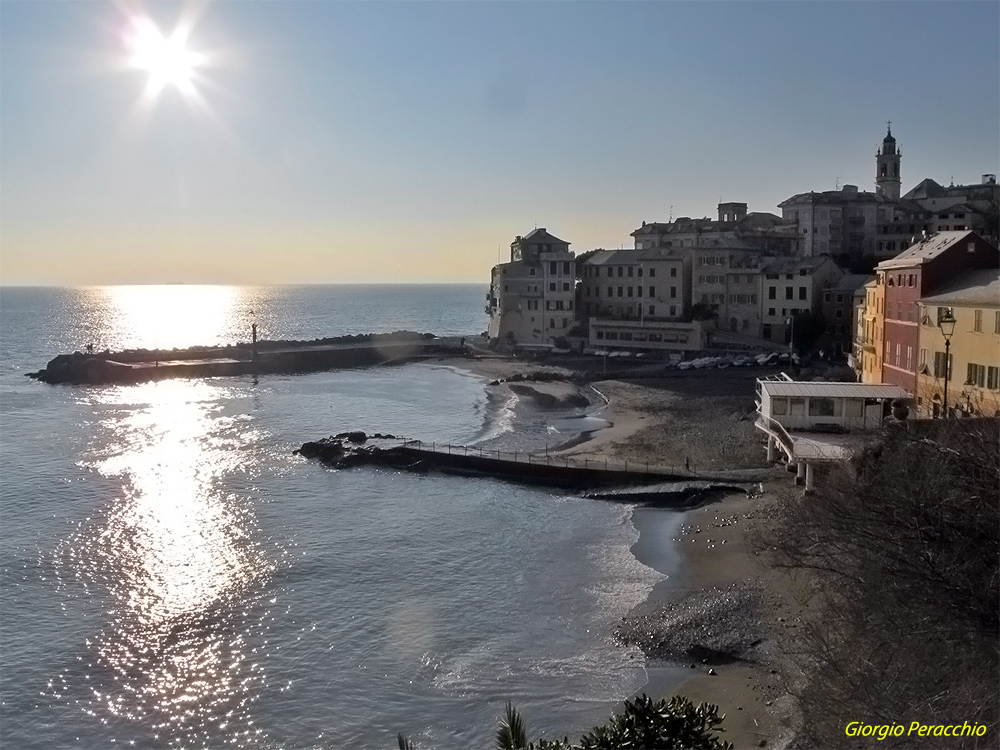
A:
(165, 58)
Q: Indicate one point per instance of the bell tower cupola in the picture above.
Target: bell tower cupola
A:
(887, 167)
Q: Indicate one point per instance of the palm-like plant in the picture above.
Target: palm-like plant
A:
(511, 734)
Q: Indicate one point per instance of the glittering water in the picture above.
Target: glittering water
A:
(172, 576)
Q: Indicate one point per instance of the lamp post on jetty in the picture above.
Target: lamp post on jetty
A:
(946, 322)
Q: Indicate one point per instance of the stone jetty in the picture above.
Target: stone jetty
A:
(263, 357)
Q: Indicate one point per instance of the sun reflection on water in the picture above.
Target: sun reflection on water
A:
(177, 554)
(169, 316)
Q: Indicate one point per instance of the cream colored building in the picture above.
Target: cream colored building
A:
(532, 298)
(974, 383)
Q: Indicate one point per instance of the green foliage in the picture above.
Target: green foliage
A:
(674, 724)
(644, 724)
(511, 734)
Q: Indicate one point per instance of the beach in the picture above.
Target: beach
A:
(723, 619)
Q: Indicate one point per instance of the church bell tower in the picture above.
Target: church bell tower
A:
(887, 167)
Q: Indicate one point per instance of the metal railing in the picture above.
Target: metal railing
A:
(542, 457)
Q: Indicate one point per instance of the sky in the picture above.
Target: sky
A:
(349, 142)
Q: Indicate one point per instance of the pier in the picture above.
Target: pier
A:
(259, 358)
(649, 482)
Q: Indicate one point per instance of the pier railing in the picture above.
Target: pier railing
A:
(542, 457)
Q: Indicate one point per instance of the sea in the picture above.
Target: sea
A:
(174, 576)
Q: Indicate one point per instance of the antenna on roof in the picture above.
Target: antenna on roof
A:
(836, 184)
(671, 214)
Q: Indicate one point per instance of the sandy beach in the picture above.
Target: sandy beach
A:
(727, 618)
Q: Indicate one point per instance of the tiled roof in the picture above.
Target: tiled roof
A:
(925, 250)
(980, 287)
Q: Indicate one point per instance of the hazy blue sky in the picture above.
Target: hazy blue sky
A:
(397, 141)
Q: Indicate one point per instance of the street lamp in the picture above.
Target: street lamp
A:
(946, 322)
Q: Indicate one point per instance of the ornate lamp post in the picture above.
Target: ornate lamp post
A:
(946, 322)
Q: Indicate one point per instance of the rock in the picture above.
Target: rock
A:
(712, 671)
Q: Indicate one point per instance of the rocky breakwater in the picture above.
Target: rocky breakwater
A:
(274, 357)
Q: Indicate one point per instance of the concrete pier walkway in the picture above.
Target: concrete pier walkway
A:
(536, 468)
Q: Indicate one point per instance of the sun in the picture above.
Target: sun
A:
(165, 58)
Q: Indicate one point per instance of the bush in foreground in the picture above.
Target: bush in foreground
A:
(644, 724)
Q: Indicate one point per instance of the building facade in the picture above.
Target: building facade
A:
(532, 298)
(791, 287)
(911, 276)
(973, 355)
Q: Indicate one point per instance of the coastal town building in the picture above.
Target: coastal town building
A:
(916, 273)
(639, 300)
(837, 309)
(764, 232)
(867, 356)
(815, 423)
(973, 300)
(792, 287)
(532, 297)
(858, 228)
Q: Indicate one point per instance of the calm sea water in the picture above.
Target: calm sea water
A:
(172, 576)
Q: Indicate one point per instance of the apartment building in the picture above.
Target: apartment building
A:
(915, 274)
(973, 300)
(791, 287)
(531, 299)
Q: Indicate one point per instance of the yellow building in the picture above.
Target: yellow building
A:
(868, 334)
(974, 383)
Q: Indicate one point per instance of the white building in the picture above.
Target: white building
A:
(531, 298)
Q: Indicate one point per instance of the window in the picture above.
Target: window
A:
(939, 365)
(652, 291)
(993, 378)
(652, 272)
(673, 311)
(996, 322)
(797, 407)
(566, 267)
(565, 286)
(564, 322)
(803, 292)
(823, 407)
(621, 289)
(772, 292)
(976, 375)
(779, 406)
(909, 358)
(553, 268)
(638, 291)
(652, 309)
(630, 291)
(611, 291)
(826, 297)
(673, 275)
(621, 271)
(640, 272)
(531, 272)
(599, 334)
(631, 271)
(673, 292)
(838, 313)
(977, 323)
(789, 292)
(611, 272)
(898, 349)
(770, 311)
(552, 286)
